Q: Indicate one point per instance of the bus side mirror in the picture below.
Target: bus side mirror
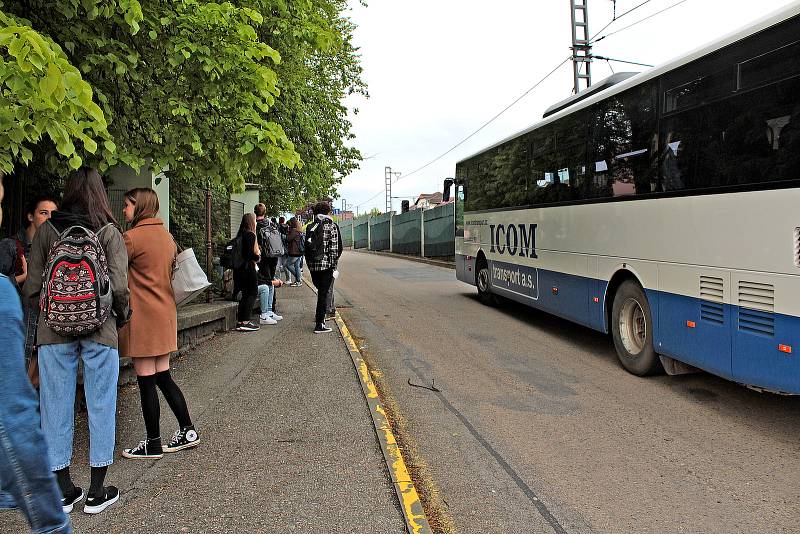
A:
(448, 183)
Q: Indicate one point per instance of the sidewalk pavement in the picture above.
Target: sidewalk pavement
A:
(287, 443)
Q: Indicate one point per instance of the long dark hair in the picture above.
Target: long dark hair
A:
(248, 224)
(84, 194)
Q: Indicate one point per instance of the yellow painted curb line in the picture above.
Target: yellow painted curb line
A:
(414, 514)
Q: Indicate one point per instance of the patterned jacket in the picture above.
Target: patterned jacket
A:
(333, 245)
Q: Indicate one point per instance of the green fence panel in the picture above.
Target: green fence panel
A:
(406, 237)
(439, 231)
(360, 233)
(346, 229)
(379, 228)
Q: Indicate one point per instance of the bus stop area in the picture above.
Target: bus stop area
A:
(287, 443)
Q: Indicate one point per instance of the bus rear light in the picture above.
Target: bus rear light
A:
(555, 291)
(596, 300)
(785, 348)
(691, 324)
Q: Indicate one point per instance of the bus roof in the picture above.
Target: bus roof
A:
(765, 22)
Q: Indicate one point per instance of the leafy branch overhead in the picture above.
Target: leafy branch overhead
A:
(232, 92)
(42, 94)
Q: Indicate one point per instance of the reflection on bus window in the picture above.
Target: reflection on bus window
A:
(548, 180)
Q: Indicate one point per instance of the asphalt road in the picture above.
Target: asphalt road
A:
(537, 428)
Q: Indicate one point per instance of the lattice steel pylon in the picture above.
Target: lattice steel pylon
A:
(388, 177)
(581, 47)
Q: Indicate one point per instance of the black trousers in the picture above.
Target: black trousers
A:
(247, 280)
(322, 281)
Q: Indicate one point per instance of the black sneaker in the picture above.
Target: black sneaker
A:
(247, 326)
(183, 438)
(74, 496)
(322, 329)
(95, 505)
(147, 449)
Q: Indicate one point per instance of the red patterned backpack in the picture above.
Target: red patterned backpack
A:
(76, 289)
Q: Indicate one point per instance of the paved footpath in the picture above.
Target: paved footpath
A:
(287, 442)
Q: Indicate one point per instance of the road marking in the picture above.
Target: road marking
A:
(413, 513)
(416, 522)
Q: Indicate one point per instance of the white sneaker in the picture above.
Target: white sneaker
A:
(275, 316)
(266, 319)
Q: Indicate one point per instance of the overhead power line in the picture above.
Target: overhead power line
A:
(616, 18)
(676, 4)
(481, 127)
(604, 58)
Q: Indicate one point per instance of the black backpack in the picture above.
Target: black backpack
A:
(231, 257)
(314, 242)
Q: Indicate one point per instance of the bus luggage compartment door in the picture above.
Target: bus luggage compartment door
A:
(694, 321)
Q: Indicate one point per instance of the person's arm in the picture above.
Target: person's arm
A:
(20, 278)
(38, 257)
(117, 258)
(339, 241)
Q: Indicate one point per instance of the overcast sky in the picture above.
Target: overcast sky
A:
(438, 69)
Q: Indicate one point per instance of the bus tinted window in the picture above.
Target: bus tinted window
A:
(775, 65)
(623, 145)
(749, 138)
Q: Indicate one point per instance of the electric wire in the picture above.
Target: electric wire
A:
(616, 18)
(484, 125)
(676, 4)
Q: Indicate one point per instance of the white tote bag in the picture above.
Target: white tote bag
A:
(188, 278)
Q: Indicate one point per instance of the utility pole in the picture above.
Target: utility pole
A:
(581, 47)
(387, 173)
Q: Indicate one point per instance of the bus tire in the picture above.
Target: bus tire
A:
(484, 286)
(632, 330)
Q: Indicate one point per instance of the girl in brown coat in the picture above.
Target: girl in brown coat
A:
(152, 333)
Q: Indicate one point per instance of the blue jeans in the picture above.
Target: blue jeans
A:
(266, 292)
(294, 266)
(58, 373)
(24, 470)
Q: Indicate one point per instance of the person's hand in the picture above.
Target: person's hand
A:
(277, 282)
(24, 274)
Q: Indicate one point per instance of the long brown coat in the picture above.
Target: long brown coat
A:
(153, 330)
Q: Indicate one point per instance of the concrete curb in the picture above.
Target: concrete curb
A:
(437, 263)
(413, 513)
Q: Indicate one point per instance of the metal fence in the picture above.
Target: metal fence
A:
(439, 227)
(406, 228)
(430, 233)
(346, 230)
(361, 233)
(380, 232)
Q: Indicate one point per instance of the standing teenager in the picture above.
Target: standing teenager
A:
(24, 465)
(294, 242)
(152, 333)
(85, 215)
(245, 274)
(323, 249)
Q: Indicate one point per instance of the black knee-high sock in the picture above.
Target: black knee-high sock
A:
(98, 477)
(174, 397)
(151, 409)
(64, 481)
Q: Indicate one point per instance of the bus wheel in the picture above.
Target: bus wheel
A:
(482, 281)
(632, 329)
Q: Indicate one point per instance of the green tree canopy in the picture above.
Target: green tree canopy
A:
(232, 92)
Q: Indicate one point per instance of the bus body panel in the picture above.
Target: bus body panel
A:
(736, 321)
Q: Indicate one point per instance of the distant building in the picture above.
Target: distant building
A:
(427, 201)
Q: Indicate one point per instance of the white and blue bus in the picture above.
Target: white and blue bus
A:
(661, 207)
